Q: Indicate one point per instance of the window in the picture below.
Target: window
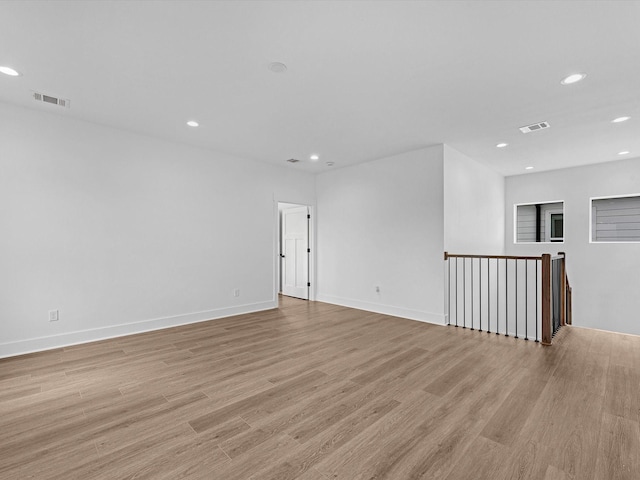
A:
(539, 222)
(615, 219)
(554, 223)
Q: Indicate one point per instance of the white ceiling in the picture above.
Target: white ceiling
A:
(364, 79)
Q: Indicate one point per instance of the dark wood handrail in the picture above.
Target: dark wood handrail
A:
(448, 255)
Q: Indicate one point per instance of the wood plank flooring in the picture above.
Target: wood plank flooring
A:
(313, 391)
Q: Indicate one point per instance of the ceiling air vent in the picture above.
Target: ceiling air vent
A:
(293, 160)
(534, 127)
(61, 102)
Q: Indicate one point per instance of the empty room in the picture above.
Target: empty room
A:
(314, 240)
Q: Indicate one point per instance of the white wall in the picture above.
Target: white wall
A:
(381, 223)
(125, 233)
(473, 224)
(473, 206)
(604, 276)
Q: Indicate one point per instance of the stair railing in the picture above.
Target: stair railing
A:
(521, 296)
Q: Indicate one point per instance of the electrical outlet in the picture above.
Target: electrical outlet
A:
(236, 292)
(53, 315)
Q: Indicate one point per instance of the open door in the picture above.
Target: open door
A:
(295, 252)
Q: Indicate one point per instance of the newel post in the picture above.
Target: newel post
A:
(547, 329)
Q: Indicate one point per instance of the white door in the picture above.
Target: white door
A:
(295, 252)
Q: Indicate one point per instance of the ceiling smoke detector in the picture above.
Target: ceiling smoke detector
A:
(277, 67)
(61, 102)
(534, 127)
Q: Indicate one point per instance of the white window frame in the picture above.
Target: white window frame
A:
(515, 222)
(591, 225)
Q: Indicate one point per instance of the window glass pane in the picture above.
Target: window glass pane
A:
(615, 219)
(539, 222)
(556, 225)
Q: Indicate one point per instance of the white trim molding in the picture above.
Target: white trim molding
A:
(39, 344)
(418, 315)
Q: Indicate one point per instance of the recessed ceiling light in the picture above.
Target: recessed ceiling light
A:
(624, 152)
(620, 119)
(573, 78)
(277, 67)
(502, 145)
(314, 157)
(528, 168)
(9, 71)
(192, 123)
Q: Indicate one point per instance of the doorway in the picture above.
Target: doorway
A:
(294, 250)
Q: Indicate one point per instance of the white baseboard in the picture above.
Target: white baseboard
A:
(39, 344)
(419, 315)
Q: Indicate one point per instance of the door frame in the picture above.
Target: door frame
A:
(276, 248)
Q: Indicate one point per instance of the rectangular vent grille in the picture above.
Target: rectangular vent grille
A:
(61, 102)
(534, 127)
(293, 160)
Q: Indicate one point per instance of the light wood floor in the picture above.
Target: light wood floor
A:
(313, 391)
